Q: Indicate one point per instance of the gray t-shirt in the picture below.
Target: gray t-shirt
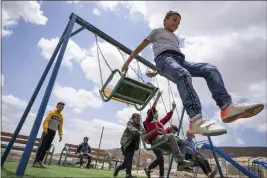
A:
(163, 40)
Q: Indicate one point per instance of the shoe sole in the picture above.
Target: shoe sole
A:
(247, 114)
(214, 133)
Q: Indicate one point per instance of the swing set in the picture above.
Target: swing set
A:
(127, 90)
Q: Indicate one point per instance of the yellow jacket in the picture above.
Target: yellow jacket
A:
(54, 121)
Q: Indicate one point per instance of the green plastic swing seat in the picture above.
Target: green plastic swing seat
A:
(128, 91)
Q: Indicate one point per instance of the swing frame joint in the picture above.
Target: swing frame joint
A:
(101, 91)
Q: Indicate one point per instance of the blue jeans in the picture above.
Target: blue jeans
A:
(181, 71)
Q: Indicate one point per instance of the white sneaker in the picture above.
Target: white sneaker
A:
(204, 127)
(237, 111)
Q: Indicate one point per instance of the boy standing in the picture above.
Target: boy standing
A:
(171, 61)
(52, 123)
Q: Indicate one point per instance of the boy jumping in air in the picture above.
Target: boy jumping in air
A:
(171, 62)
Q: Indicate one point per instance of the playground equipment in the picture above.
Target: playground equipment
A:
(256, 165)
(229, 159)
(59, 52)
(145, 91)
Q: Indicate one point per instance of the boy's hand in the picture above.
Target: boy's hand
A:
(125, 67)
(60, 138)
(151, 74)
(173, 106)
(159, 93)
(44, 132)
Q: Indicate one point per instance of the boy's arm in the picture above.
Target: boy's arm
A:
(157, 99)
(166, 119)
(149, 39)
(168, 115)
(60, 127)
(137, 50)
(89, 149)
(47, 119)
(79, 148)
(132, 128)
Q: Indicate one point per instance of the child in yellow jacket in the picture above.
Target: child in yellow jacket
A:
(52, 123)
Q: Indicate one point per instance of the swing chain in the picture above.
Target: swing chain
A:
(99, 65)
(138, 75)
(99, 49)
(177, 112)
(161, 96)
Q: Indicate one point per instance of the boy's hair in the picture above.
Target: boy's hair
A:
(168, 14)
(151, 113)
(60, 103)
(134, 115)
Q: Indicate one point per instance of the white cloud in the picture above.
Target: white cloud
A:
(229, 14)
(73, 51)
(73, 2)
(79, 99)
(96, 12)
(2, 80)
(12, 110)
(29, 11)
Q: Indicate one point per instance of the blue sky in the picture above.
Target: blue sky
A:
(25, 52)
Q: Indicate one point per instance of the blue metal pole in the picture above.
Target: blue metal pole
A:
(178, 133)
(230, 160)
(29, 106)
(215, 157)
(27, 151)
(35, 93)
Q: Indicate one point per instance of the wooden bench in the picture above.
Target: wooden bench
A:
(100, 155)
(20, 143)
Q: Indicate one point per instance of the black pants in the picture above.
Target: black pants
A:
(45, 144)
(128, 161)
(203, 163)
(89, 157)
(158, 162)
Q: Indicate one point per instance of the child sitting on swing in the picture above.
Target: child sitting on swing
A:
(171, 62)
(152, 122)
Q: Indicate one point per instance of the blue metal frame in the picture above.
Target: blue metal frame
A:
(34, 95)
(215, 157)
(27, 152)
(229, 159)
(178, 132)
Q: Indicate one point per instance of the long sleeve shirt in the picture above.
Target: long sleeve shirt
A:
(54, 121)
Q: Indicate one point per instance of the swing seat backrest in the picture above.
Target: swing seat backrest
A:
(128, 91)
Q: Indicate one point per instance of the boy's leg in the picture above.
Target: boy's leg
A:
(81, 159)
(89, 157)
(170, 65)
(205, 166)
(229, 112)
(158, 162)
(129, 161)
(175, 150)
(46, 141)
(119, 168)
